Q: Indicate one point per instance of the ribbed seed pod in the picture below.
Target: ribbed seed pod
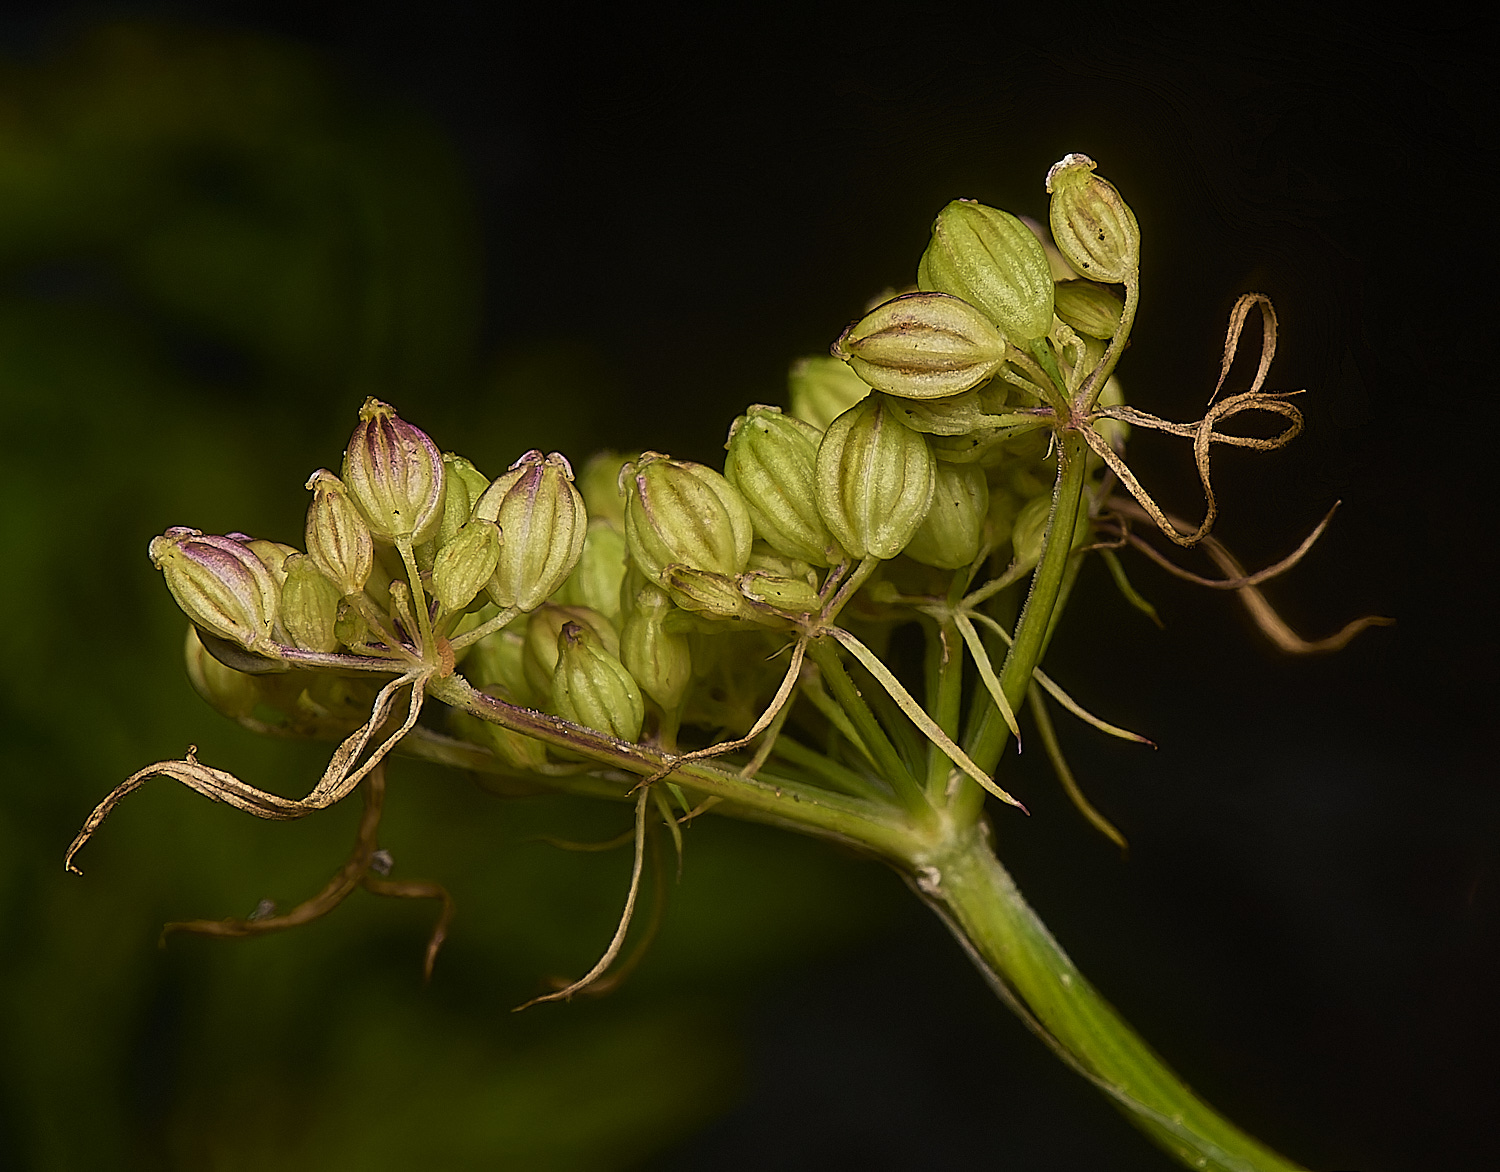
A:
(923, 346)
(542, 526)
(874, 480)
(272, 554)
(1031, 526)
(660, 660)
(591, 687)
(395, 475)
(466, 563)
(1091, 309)
(822, 389)
(595, 580)
(772, 460)
(539, 651)
(338, 538)
(684, 513)
(309, 605)
(704, 592)
(950, 535)
(779, 592)
(220, 584)
(466, 484)
(1092, 226)
(992, 260)
(599, 483)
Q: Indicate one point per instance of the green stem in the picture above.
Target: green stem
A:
(1041, 350)
(825, 654)
(830, 771)
(418, 597)
(966, 885)
(950, 863)
(945, 675)
(1093, 386)
(990, 737)
(877, 827)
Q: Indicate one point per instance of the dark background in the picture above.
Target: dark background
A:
(222, 225)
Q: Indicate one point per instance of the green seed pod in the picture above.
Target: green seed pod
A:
(958, 415)
(706, 593)
(466, 563)
(782, 593)
(683, 513)
(309, 605)
(764, 560)
(499, 660)
(1093, 227)
(466, 484)
(542, 525)
(772, 461)
(1031, 525)
(539, 651)
(272, 554)
(349, 627)
(822, 389)
(234, 694)
(395, 475)
(595, 580)
(990, 259)
(1091, 309)
(1001, 518)
(953, 530)
(922, 346)
(591, 687)
(600, 486)
(220, 584)
(874, 480)
(982, 447)
(338, 540)
(660, 660)
(315, 705)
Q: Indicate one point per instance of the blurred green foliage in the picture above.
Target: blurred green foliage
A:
(211, 249)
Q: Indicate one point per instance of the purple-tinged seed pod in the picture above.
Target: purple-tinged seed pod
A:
(220, 584)
(395, 475)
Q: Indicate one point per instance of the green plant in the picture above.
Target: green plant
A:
(620, 635)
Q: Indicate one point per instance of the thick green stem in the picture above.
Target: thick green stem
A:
(967, 886)
(988, 740)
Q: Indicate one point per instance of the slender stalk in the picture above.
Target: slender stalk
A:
(877, 827)
(945, 672)
(966, 885)
(828, 770)
(826, 655)
(1093, 386)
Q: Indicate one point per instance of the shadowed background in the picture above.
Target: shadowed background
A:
(223, 225)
